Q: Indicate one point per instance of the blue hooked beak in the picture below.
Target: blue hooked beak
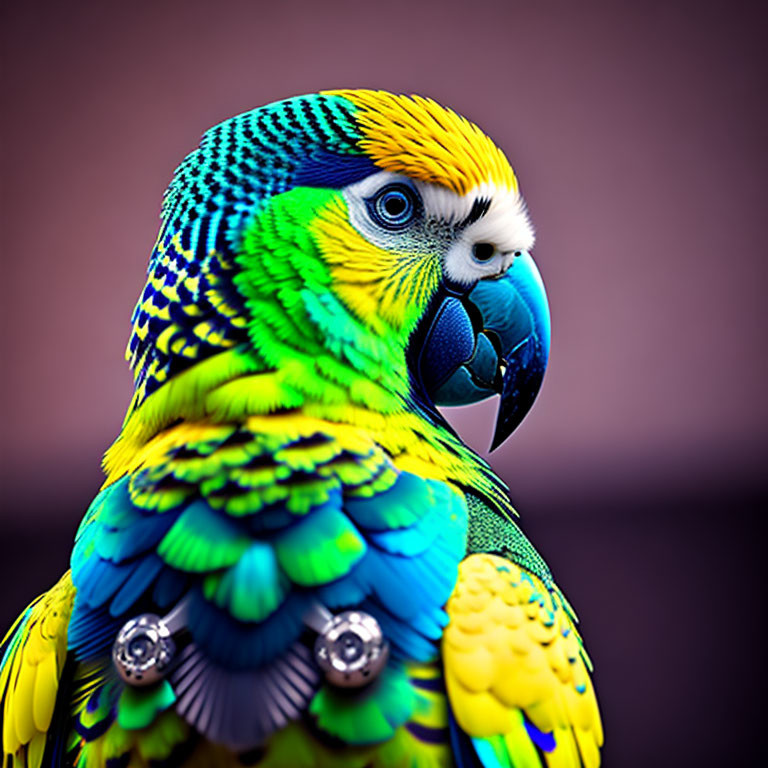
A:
(495, 340)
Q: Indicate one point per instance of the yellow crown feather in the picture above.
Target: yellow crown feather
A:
(422, 139)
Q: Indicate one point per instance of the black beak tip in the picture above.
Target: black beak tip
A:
(520, 388)
(504, 428)
(506, 424)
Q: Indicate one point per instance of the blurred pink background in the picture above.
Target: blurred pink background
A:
(638, 132)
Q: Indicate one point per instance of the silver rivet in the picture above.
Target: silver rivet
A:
(351, 651)
(143, 650)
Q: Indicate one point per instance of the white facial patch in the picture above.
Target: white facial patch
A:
(505, 226)
(495, 218)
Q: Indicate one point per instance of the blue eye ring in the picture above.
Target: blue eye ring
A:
(394, 207)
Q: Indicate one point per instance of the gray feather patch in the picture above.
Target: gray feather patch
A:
(241, 709)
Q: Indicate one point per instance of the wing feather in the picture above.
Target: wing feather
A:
(516, 672)
(30, 671)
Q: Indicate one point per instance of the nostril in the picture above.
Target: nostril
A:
(483, 251)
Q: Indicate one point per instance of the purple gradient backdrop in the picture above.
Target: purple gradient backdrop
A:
(638, 132)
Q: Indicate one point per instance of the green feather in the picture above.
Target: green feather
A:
(299, 318)
(138, 707)
(100, 705)
(368, 716)
(491, 532)
(320, 548)
(397, 507)
(167, 731)
(202, 540)
(515, 743)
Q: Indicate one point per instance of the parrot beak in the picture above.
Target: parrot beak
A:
(494, 340)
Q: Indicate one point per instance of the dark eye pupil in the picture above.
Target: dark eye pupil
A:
(394, 204)
(394, 207)
(483, 251)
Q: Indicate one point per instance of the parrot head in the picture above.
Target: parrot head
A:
(362, 246)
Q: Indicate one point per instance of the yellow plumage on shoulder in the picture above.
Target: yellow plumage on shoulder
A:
(30, 672)
(515, 667)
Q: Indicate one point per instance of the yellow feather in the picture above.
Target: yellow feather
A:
(566, 754)
(421, 138)
(367, 278)
(30, 677)
(23, 700)
(46, 686)
(519, 744)
(164, 339)
(511, 649)
(11, 741)
(35, 751)
(588, 747)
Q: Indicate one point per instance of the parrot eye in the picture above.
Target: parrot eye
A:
(482, 252)
(393, 207)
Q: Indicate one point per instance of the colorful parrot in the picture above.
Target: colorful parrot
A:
(294, 560)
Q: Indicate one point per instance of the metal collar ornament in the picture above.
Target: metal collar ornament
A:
(352, 650)
(143, 650)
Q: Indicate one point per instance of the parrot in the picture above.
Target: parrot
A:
(294, 560)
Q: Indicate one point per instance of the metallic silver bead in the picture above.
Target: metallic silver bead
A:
(351, 651)
(143, 650)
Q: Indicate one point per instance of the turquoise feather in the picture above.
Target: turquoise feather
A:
(253, 588)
